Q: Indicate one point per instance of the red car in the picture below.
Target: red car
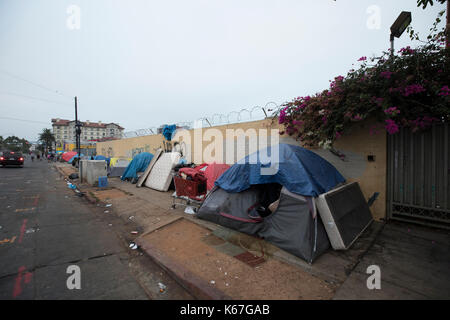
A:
(11, 158)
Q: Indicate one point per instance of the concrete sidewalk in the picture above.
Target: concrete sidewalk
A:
(207, 259)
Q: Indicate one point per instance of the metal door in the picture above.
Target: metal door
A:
(418, 176)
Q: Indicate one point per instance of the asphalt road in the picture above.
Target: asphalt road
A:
(45, 228)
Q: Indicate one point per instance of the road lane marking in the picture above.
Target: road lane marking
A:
(18, 283)
(25, 209)
(22, 229)
(36, 200)
(6, 240)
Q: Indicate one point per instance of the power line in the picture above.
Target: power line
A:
(35, 84)
(24, 120)
(34, 98)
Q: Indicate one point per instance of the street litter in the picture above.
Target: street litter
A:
(133, 246)
(106, 211)
(162, 287)
(189, 210)
(108, 205)
(30, 230)
(130, 217)
(134, 232)
(212, 282)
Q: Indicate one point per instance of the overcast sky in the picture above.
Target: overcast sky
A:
(143, 63)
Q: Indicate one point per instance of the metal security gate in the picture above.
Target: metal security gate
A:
(418, 176)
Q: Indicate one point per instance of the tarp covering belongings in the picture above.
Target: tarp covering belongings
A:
(265, 206)
(138, 164)
(75, 157)
(213, 172)
(100, 157)
(169, 131)
(66, 156)
(299, 170)
(113, 161)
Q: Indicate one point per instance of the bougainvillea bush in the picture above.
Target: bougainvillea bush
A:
(408, 89)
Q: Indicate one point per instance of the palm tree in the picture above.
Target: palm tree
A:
(47, 138)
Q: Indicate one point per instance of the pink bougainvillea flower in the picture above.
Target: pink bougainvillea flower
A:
(413, 89)
(324, 119)
(282, 117)
(392, 111)
(386, 74)
(338, 135)
(358, 117)
(362, 59)
(391, 127)
(445, 91)
(297, 123)
(405, 51)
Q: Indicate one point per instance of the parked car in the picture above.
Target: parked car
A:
(11, 158)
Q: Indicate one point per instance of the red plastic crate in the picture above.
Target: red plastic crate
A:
(189, 188)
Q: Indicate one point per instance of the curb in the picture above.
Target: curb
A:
(197, 287)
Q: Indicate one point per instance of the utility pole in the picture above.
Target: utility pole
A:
(77, 129)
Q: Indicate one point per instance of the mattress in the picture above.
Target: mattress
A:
(161, 174)
(345, 214)
(147, 171)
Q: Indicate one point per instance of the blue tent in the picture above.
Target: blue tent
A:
(75, 156)
(139, 163)
(100, 157)
(299, 170)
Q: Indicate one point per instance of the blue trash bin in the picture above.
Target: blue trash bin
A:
(102, 182)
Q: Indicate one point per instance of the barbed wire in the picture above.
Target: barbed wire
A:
(217, 119)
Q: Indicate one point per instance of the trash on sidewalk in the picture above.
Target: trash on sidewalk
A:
(134, 232)
(73, 176)
(71, 186)
(131, 218)
(106, 211)
(162, 287)
(189, 210)
(108, 205)
(133, 246)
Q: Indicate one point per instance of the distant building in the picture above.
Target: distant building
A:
(64, 131)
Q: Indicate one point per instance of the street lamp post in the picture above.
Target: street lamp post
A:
(399, 26)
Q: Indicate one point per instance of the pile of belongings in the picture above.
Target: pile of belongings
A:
(117, 166)
(100, 157)
(276, 201)
(205, 173)
(138, 164)
(66, 156)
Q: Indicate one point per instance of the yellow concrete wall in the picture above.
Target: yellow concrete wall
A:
(357, 146)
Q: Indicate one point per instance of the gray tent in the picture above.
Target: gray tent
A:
(245, 195)
(294, 226)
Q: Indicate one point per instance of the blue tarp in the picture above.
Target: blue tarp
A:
(299, 170)
(100, 157)
(75, 156)
(139, 163)
(169, 131)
